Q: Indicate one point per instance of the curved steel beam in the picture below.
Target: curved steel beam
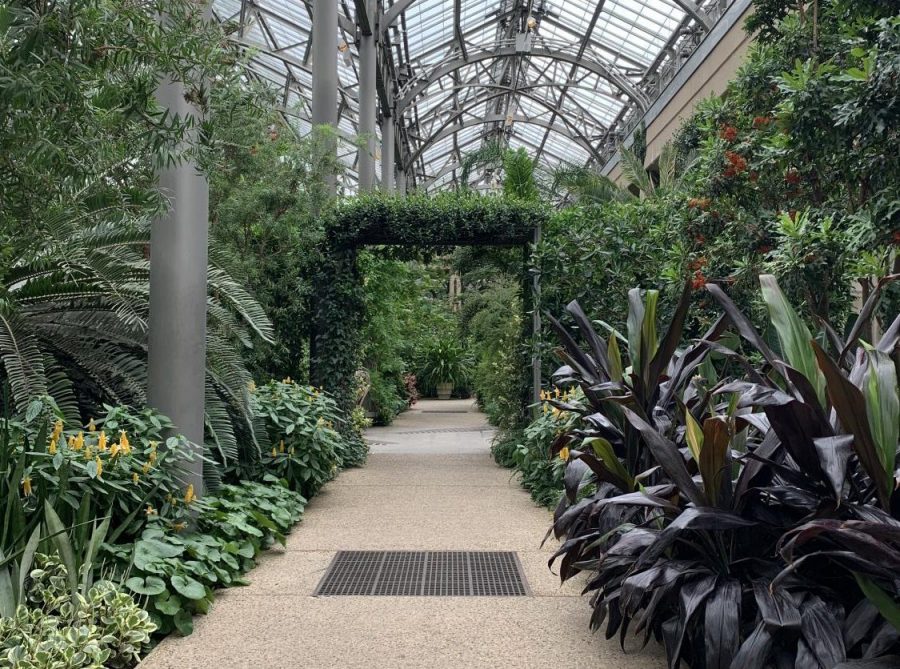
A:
(448, 128)
(448, 67)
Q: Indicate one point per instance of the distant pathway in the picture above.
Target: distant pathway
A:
(430, 484)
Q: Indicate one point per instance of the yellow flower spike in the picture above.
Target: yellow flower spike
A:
(135, 478)
(71, 441)
(150, 511)
(292, 450)
(99, 466)
(92, 427)
(251, 386)
(546, 409)
(51, 449)
(189, 495)
(178, 527)
(57, 429)
(88, 453)
(564, 454)
(274, 454)
(146, 468)
(281, 445)
(114, 450)
(123, 440)
(557, 392)
(151, 458)
(79, 441)
(26, 486)
(102, 441)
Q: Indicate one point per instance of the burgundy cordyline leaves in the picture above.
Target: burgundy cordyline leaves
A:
(739, 503)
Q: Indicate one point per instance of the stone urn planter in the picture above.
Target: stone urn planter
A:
(444, 391)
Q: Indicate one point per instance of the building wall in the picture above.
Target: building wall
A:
(707, 72)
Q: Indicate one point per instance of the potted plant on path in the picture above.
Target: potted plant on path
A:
(447, 367)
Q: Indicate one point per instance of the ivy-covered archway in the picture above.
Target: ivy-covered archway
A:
(419, 223)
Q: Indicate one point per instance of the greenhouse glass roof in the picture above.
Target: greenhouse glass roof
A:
(566, 79)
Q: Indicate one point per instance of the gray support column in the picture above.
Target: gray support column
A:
(387, 154)
(367, 101)
(325, 71)
(401, 182)
(178, 263)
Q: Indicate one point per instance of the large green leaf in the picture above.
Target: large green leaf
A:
(883, 406)
(59, 537)
(887, 607)
(793, 334)
(850, 406)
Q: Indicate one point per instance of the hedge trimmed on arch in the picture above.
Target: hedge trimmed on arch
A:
(417, 221)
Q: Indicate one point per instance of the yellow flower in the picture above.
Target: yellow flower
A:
(251, 386)
(292, 450)
(71, 441)
(546, 409)
(26, 486)
(288, 380)
(150, 511)
(114, 450)
(102, 441)
(79, 442)
(99, 466)
(189, 495)
(123, 440)
(135, 478)
(564, 454)
(92, 427)
(281, 445)
(178, 527)
(557, 392)
(88, 453)
(152, 457)
(51, 449)
(57, 429)
(274, 454)
(146, 467)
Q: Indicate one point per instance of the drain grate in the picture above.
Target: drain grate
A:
(424, 573)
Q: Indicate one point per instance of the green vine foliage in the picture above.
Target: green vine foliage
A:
(418, 221)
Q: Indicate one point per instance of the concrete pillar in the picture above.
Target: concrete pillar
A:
(387, 154)
(178, 262)
(367, 100)
(325, 71)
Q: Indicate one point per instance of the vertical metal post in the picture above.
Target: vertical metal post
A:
(325, 72)
(178, 264)
(367, 101)
(401, 182)
(387, 154)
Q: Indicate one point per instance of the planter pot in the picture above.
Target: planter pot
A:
(444, 390)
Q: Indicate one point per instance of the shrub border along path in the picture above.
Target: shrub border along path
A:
(415, 223)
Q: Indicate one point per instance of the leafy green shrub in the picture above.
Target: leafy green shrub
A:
(112, 468)
(730, 496)
(446, 361)
(177, 571)
(55, 629)
(311, 438)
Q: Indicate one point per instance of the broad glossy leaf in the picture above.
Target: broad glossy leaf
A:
(883, 406)
(850, 406)
(822, 631)
(834, 453)
(614, 355)
(722, 623)
(742, 323)
(605, 452)
(776, 607)
(634, 325)
(668, 456)
(670, 341)
(693, 435)
(188, 587)
(714, 459)
(598, 346)
(151, 585)
(793, 334)
(754, 652)
(886, 605)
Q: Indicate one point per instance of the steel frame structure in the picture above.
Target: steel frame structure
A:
(566, 79)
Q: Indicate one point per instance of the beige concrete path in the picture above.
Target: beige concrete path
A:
(430, 483)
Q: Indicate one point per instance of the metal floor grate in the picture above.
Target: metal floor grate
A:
(424, 573)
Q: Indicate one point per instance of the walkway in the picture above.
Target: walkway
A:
(430, 483)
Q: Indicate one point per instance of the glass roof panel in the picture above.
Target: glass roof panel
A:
(554, 76)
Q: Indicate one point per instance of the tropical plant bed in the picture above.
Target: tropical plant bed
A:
(736, 500)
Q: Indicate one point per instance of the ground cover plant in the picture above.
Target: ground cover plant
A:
(745, 508)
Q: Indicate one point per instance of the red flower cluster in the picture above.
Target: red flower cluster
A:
(761, 121)
(792, 176)
(729, 133)
(701, 203)
(737, 164)
(698, 264)
(698, 281)
(764, 248)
